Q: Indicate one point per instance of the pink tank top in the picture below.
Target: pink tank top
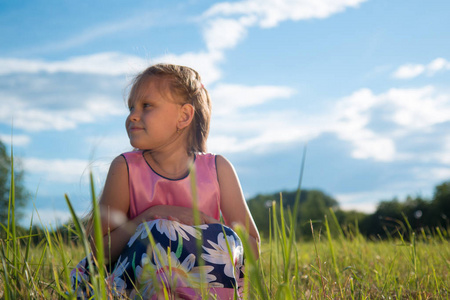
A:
(148, 188)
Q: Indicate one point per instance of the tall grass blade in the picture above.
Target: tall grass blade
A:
(81, 232)
(197, 221)
(333, 257)
(275, 237)
(27, 250)
(295, 213)
(98, 237)
(251, 266)
(7, 294)
(284, 245)
(319, 270)
(12, 220)
(336, 222)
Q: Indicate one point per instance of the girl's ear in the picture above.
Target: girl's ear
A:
(186, 115)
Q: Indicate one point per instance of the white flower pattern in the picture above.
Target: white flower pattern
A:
(220, 255)
(184, 274)
(173, 228)
(141, 232)
(141, 274)
(115, 278)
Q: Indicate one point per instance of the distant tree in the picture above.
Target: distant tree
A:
(441, 204)
(314, 205)
(418, 211)
(350, 220)
(21, 195)
(385, 220)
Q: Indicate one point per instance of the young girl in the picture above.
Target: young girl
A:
(150, 189)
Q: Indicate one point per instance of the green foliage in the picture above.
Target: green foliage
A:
(441, 203)
(389, 219)
(313, 205)
(21, 195)
(424, 216)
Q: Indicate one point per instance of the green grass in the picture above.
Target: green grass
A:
(348, 266)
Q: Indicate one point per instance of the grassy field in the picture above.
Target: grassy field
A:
(346, 267)
(410, 265)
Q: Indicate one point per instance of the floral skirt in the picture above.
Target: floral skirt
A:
(186, 262)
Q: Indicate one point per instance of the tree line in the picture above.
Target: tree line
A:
(391, 217)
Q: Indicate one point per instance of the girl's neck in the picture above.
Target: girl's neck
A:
(173, 164)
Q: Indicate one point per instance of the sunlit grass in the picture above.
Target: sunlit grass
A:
(343, 266)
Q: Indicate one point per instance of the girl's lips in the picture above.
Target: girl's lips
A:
(136, 128)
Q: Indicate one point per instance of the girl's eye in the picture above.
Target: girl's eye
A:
(131, 108)
(147, 105)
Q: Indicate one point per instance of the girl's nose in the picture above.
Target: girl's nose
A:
(133, 116)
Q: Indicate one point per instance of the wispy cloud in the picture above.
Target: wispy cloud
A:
(270, 13)
(373, 124)
(48, 218)
(230, 97)
(139, 21)
(227, 23)
(41, 118)
(108, 63)
(54, 102)
(57, 170)
(409, 71)
(17, 139)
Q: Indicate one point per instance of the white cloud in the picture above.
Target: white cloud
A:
(227, 23)
(352, 117)
(263, 131)
(47, 217)
(113, 64)
(418, 108)
(401, 113)
(32, 116)
(409, 71)
(439, 174)
(106, 63)
(444, 155)
(57, 170)
(368, 201)
(221, 33)
(106, 148)
(437, 65)
(365, 207)
(68, 170)
(19, 140)
(227, 98)
(141, 21)
(409, 110)
(270, 13)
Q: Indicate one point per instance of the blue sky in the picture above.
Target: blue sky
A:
(365, 84)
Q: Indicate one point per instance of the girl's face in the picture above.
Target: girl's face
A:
(154, 114)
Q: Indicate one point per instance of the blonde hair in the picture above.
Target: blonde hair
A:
(185, 83)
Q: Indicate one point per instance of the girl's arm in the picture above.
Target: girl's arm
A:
(232, 203)
(114, 204)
